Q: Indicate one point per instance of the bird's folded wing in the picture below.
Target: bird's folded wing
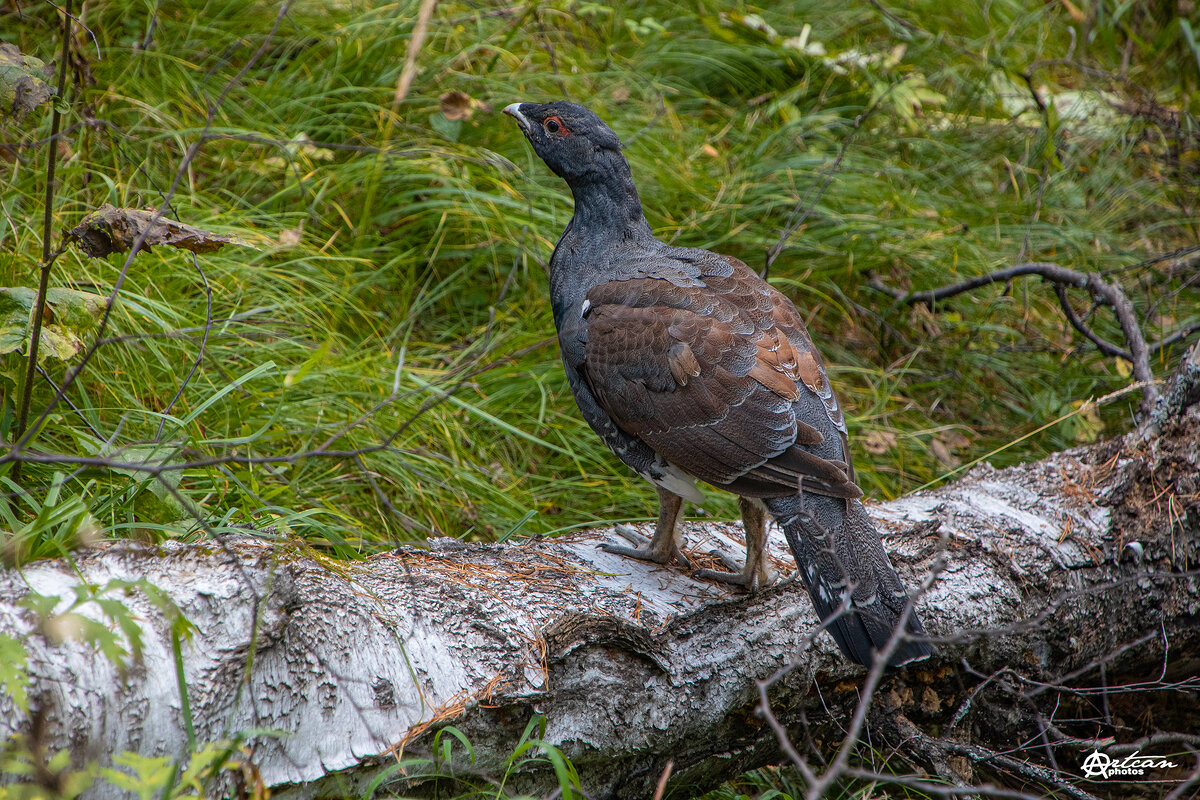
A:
(721, 380)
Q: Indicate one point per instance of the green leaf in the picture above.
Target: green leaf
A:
(13, 678)
(564, 770)
(24, 82)
(296, 374)
(70, 315)
(150, 775)
(1189, 36)
(1051, 118)
(60, 524)
(449, 128)
(457, 734)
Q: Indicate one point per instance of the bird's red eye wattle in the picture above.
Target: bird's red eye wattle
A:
(555, 125)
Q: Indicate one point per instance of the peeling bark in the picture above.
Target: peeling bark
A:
(1042, 570)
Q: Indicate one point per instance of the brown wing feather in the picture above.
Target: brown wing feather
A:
(712, 379)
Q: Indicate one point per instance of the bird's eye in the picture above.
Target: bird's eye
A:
(553, 125)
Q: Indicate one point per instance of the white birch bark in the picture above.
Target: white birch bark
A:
(1045, 565)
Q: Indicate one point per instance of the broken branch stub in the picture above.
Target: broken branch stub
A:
(110, 230)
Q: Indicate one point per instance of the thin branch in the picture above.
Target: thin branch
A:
(1105, 346)
(151, 26)
(926, 786)
(853, 736)
(903, 23)
(1154, 740)
(980, 754)
(928, 297)
(1149, 262)
(79, 22)
(48, 258)
(1174, 338)
(82, 418)
(18, 455)
(1107, 293)
(409, 71)
(1182, 790)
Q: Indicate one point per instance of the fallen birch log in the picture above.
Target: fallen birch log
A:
(1050, 571)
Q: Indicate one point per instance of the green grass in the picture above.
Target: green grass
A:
(428, 238)
(407, 239)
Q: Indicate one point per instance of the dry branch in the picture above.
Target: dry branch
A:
(1105, 292)
(109, 230)
(1060, 584)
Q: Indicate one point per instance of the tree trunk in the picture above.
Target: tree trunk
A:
(1046, 578)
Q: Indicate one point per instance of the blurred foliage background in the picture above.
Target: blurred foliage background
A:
(375, 364)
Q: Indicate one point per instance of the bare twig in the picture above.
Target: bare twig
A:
(841, 761)
(324, 450)
(1155, 740)
(91, 34)
(980, 754)
(1175, 338)
(903, 23)
(82, 417)
(781, 733)
(1107, 293)
(1105, 346)
(48, 257)
(926, 786)
(151, 26)
(1149, 262)
(409, 71)
(1182, 790)
(931, 296)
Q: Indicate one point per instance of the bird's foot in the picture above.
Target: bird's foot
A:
(750, 580)
(647, 549)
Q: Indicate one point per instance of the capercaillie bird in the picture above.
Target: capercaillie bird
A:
(691, 367)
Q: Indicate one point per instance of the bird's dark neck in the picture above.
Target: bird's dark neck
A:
(607, 202)
(608, 217)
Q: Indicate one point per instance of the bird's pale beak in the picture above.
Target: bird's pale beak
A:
(514, 111)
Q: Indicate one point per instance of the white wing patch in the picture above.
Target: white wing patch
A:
(676, 481)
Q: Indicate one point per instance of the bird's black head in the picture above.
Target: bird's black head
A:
(573, 141)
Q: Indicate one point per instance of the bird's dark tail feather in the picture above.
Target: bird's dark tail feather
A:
(838, 550)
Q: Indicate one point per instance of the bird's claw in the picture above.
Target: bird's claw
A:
(750, 581)
(645, 549)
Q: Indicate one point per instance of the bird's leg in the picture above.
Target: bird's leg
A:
(755, 575)
(665, 544)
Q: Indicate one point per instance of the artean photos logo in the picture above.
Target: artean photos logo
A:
(1133, 767)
